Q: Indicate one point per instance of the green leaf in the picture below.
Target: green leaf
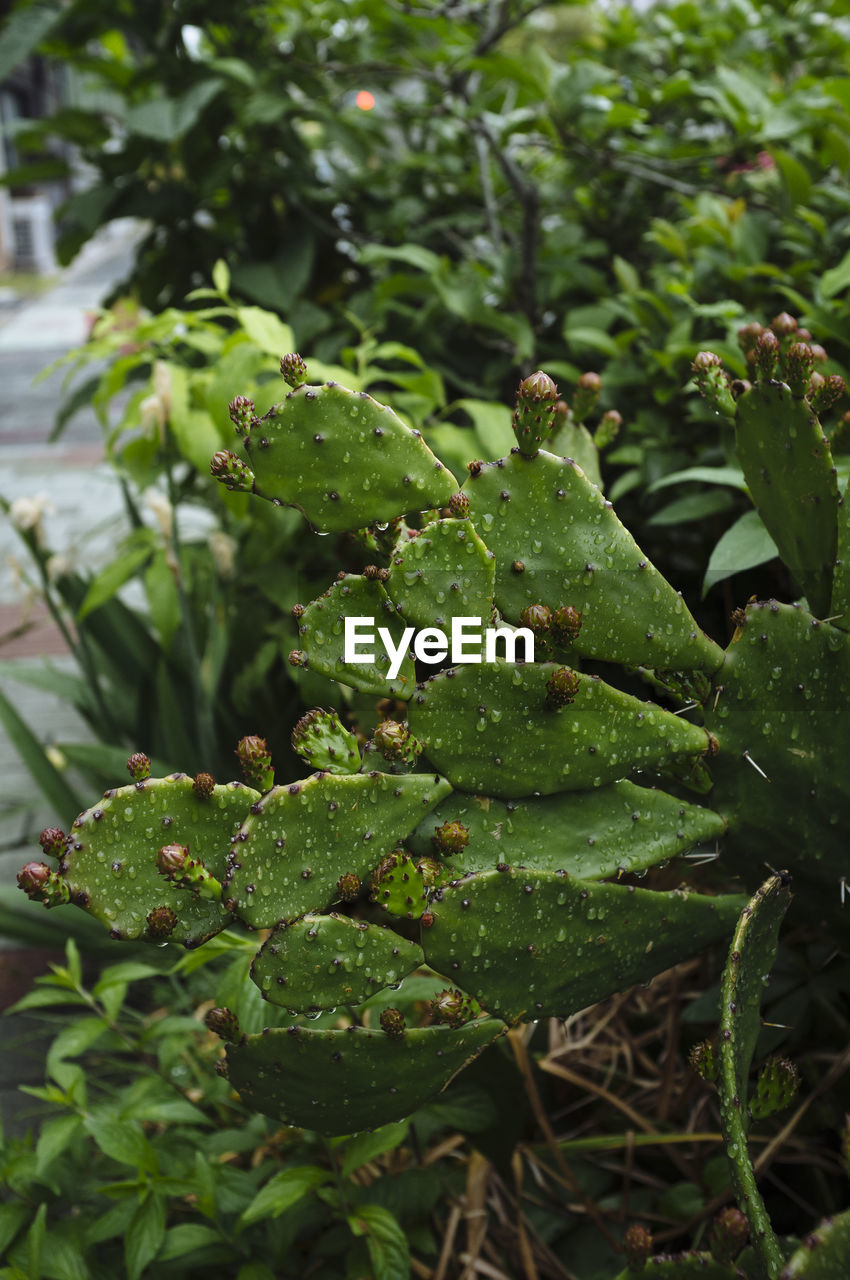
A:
(167, 119)
(266, 330)
(186, 1238)
(695, 506)
(120, 570)
(121, 1140)
(12, 1218)
(732, 476)
(385, 1239)
(35, 1242)
(24, 30)
(145, 1235)
(836, 280)
(46, 776)
(221, 276)
(367, 1146)
(744, 546)
(55, 1136)
(284, 1190)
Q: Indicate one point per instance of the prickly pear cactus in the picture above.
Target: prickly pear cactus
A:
(486, 834)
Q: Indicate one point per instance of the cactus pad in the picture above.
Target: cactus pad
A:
(824, 1255)
(339, 1082)
(590, 834)
(343, 459)
(299, 839)
(110, 862)
(544, 514)
(530, 944)
(321, 631)
(444, 572)
(320, 962)
(488, 728)
(787, 464)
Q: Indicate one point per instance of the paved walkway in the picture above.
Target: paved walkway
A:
(83, 511)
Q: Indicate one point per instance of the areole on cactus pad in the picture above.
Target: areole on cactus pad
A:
(491, 842)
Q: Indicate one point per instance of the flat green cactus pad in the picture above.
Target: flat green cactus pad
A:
(825, 1254)
(444, 572)
(839, 608)
(111, 866)
(320, 962)
(534, 944)
(323, 742)
(399, 887)
(322, 637)
(782, 706)
(343, 459)
(488, 728)
(590, 834)
(788, 467)
(557, 542)
(338, 1082)
(299, 839)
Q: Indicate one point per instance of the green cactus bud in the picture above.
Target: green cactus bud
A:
(608, 429)
(395, 742)
(392, 1023)
(348, 887)
(53, 841)
(566, 624)
(588, 390)
(225, 1024)
(713, 383)
(241, 410)
(233, 473)
(783, 325)
(431, 871)
(294, 369)
(777, 1083)
(371, 572)
(826, 393)
(322, 741)
(203, 785)
(161, 923)
(561, 688)
(767, 355)
(747, 339)
(459, 505)
(537, 617)
(799, 363)
(139, 766)
(452, 1007)
(702, 1061)
(43, 885)
(450, 838)
(175, 864)
(255, 761)
(534, 417)
(730, 1231)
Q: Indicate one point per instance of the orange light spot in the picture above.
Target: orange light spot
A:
(365, 100)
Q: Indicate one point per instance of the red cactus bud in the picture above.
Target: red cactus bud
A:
(33, 879)
(451, 1006)
(450, 838)
(297, 658)
(459, 505)
(161, 922)
(819, 352)
(474, 467)
(587, 395)
(534, 415)
(394, 741)
(565, 625)
(562, 688)
(637, 1246)
(171, 860)
(139, 766)
(294, 369)
(730, 1231)
(608, 429)
(392, 1023)
(224, 1023)
(748, 336)
(297, 611)
(256, 762)
(203, 785)
(241, 410)
(53, 841)
(767, 355)
(827, 393)
(348, 886)
(783, 324)
(233, 473)
(371, 572)
(713, 382)
(537, 617)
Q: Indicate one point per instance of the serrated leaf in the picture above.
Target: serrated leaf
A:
(284, 1190)
(385, 1240)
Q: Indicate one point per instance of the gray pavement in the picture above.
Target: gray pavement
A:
(82, 509)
